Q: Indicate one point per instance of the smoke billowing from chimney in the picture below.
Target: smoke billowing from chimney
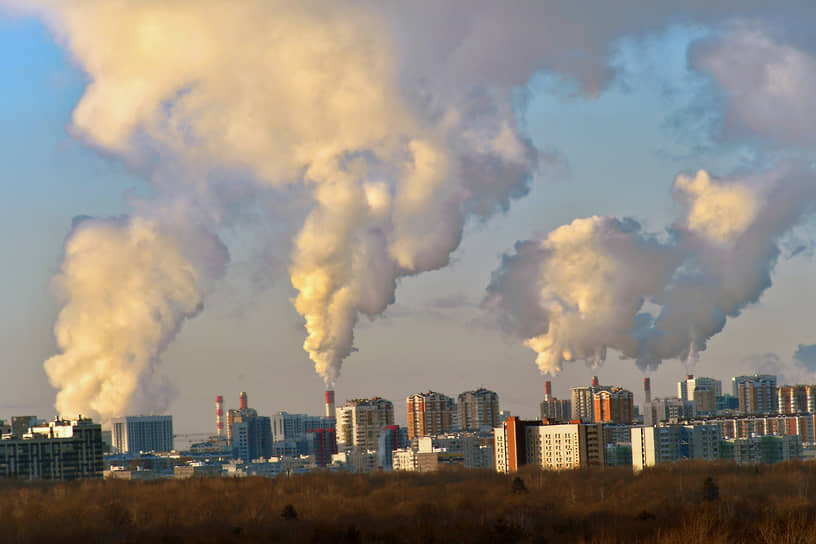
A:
(127, 285)
(299, 95)
(399, 141)
(583, 288)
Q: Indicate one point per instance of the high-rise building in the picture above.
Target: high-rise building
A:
(324, 445)
(553, 409)
(252, 438)
(477, 410)
(583, 406)
(133, 434)
(686, 387)
(613, 406)
(555, 447)
(556, 410)
(668, 410)
(360, 421)
(794, 399)
(670, 443)
(286, 426)
(429, 414)
(391, 438)
(239, 415)
(59, 450)
(704, 399)
(757, 394)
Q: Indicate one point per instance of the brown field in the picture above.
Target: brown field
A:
(770, 504)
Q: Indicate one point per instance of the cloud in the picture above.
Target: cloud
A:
(805, 356)
(770, 85)
(602, 282)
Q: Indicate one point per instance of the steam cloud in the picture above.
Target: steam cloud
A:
(602, 282)
(291, 94)
(127, 285)
(400, 140)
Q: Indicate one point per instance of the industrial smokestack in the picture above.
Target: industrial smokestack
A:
(547, 390)
(244, 405)
(595, 382)
(219, 415)
(330, 403)
(647, 390)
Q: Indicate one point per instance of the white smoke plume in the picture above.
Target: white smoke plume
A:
(771, 85)
(396, 116)
(302, 94)
(602, 283)
(127, 285)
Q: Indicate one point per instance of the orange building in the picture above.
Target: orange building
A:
(429, 414)
(614, 406)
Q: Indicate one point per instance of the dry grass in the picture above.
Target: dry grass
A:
(663, 505)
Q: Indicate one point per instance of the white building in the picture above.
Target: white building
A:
(554, 447)
(132, 434)
(360, 422)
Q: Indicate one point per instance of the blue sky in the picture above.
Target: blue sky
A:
(622, 147)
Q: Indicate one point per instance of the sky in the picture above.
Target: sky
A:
(176, 201)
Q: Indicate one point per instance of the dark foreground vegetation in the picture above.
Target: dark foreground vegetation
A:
(684, 503)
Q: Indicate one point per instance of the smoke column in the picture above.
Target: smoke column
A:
(127, 285)
(399, 140)
(582, 289)
(294, 94)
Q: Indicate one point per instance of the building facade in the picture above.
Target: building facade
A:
(286, 426)
(687, 387)
(671, 443)
(429, 414)
(133, 434)
(796, 399)
(613, 406)
(477, 410)
(252, 438)
(60, 450)
(550, 446)
(360, 422)
(757, 394)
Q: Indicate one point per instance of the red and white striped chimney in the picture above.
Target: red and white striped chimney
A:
(330, 403)
(219, 415)
(547, 390)
(647, 390)
(244, 404)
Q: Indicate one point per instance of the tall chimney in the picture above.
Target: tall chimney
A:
(647, 390)
(244, 405)
(547, 390)
(330, 403)
(219, 415)
(595, 381)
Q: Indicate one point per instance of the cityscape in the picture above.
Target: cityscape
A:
(757, 422)
(355, 271)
